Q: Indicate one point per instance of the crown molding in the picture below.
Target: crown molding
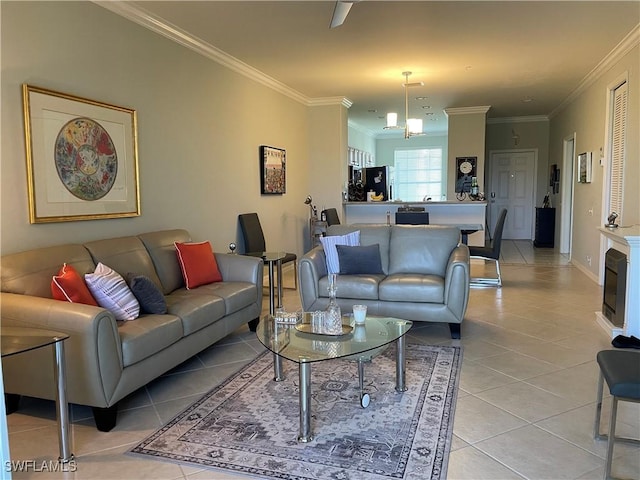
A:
(361, 129)
(315, 102)
(625, 46)
(526, 119)
(466, 110)
(398, 134)
(158, 25)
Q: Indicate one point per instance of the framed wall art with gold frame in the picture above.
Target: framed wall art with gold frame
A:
(82, 158)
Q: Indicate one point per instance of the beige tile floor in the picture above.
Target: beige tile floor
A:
(525, 406)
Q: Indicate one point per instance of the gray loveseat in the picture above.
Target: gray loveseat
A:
(108, 359)
(425, 275)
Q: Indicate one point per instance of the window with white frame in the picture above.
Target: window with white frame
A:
(418, 174)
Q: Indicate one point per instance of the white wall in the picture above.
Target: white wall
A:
(586, 116)
(200, 126)
(385, 147)
(328, 170)
(466, 138)
(361, 139)
(533, 133)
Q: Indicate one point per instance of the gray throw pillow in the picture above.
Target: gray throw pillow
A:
(148, 294)
(364, 259)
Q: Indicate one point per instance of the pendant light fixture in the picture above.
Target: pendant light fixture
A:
(412, 126)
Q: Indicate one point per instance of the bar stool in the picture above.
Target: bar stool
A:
(621, 370)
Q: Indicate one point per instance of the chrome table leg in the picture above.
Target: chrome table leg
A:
(279, 283)
(365, 399)
(272, 303)
(61, 402)
(400, 365)
(305, 401)
(278, 376)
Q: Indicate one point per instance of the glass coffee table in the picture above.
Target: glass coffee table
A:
(298, 343)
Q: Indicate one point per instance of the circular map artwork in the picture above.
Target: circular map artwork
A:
(86, 159)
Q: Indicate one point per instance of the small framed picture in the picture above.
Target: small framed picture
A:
(584, 168)
(273, 164)
(466, 169)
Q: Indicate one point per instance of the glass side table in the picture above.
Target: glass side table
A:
(17, 340)
(271, 259)
(274, 261)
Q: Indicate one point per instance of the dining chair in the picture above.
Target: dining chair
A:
(255, 244)
(490, 252)
(409, 208)
(412, 218)
(331, 214)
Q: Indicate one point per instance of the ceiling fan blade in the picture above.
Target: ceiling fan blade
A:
(340, 12)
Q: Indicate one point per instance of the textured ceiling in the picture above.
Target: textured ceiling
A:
(478, 53)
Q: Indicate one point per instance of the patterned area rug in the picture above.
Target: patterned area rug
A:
(249, 424)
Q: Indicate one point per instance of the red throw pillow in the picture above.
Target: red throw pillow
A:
(69, 286)
(198, 264)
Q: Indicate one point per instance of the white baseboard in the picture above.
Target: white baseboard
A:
(587, 272)
(607, 326)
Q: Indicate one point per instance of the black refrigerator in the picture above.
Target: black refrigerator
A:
(378, 179)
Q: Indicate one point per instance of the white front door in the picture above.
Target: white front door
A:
(512, 175)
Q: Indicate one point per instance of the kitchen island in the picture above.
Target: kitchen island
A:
(440, 213)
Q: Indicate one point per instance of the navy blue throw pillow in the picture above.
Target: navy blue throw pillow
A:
(364, 259)
(147, 293)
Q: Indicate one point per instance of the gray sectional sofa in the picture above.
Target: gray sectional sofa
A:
(108, 359)
(424, 277)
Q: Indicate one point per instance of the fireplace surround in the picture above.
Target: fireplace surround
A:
(625, 239)
(615, 284)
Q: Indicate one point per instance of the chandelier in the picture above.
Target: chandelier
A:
(412, 126)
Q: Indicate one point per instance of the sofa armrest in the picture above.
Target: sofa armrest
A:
(457, 280)
(93, 351)
(240, 268)
(311, 268)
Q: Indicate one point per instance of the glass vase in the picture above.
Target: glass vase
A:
(333, 314)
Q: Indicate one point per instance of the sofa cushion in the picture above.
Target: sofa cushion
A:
(198, 264)
(147, 293)
(112, 292)
(30, 272)
(331, 254)
(369, 235)
(147, 336)
(359, 260)
(197, 310)
(162, 250)
(363, 287)
(69, 286)
(421, 249)
(408, 287)
(124, 255)
(236, 295)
